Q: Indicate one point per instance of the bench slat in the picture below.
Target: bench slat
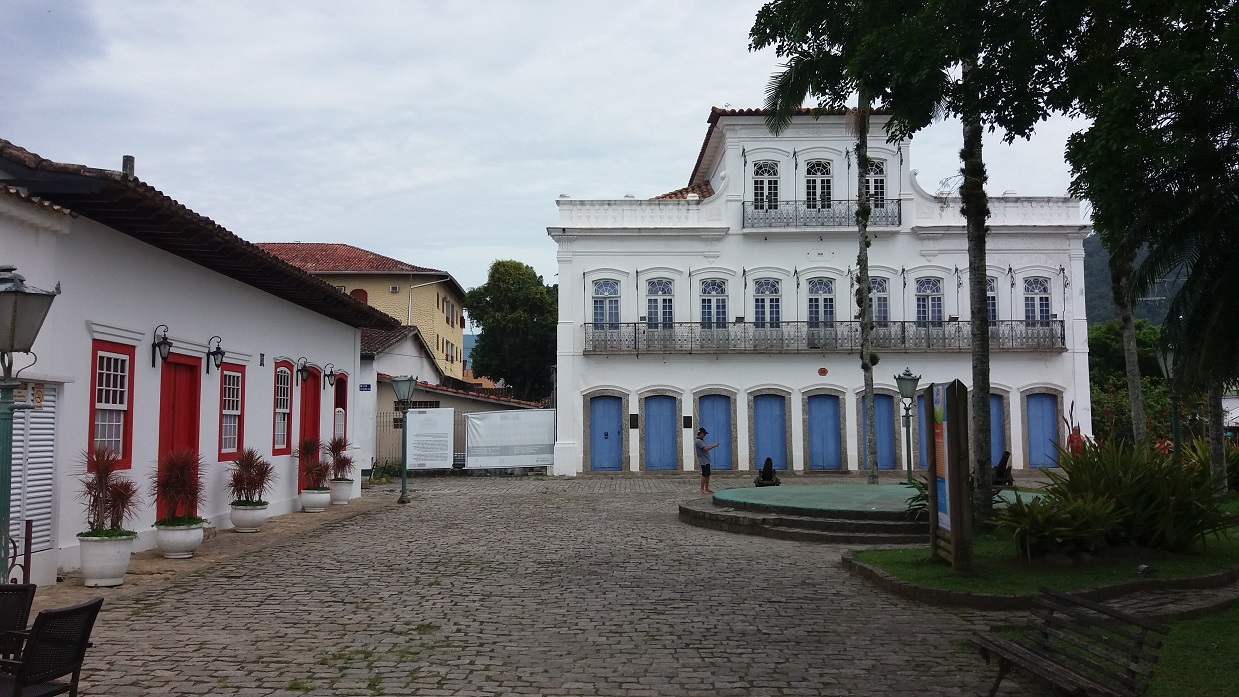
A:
(1132, 649)
(1081, 657)
(1116, 625)
(1041, 667)
(1150, 625)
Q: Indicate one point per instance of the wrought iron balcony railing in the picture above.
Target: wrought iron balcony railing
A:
(816, 337)
(757, 214)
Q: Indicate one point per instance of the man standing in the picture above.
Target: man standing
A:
(703, 458)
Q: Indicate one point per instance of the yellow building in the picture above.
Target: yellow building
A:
(428, 299)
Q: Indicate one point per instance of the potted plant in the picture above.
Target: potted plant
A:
(315, 496)
(340, 465)
(177, 484)
(249, 480)
(111, 498)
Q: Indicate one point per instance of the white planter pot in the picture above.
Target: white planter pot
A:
(178, 541)
(105, 559)
(248, 518)
(315, 500)
(341, 490)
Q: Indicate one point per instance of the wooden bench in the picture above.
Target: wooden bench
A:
(1080, 647)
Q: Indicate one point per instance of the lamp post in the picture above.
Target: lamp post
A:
(907, 392)
(22, 311)
(1165, 357)
(403, 387)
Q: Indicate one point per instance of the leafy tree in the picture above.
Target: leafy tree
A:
(517, 314)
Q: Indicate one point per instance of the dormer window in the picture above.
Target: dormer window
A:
(765, 185)
(817, 186)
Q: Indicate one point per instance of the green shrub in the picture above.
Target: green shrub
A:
(1160, 501)
(918, 502)
(1047, 524)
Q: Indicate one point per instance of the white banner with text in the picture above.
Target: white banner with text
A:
(524, 438)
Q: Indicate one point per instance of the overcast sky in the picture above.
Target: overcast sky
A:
(439, 133)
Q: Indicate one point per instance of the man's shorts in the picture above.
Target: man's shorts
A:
(705, 470)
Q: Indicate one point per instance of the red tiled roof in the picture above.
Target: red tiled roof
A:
(376, 340)
(704, 190)
(324, 257)
(482, 396)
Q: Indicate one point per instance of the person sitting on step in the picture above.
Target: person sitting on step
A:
(767, 477)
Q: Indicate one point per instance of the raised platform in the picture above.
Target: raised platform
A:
(838, 514)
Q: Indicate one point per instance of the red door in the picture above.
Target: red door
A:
(179, 410)
(311, 415)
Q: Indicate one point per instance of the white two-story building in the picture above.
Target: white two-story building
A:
(730, 304)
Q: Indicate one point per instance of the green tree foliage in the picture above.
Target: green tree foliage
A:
(517, 314)
(1105, 350)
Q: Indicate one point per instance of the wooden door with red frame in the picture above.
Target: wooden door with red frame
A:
(311, 416)
(180, 406)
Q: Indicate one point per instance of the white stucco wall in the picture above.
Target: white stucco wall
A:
(119, 289)
(632, 241)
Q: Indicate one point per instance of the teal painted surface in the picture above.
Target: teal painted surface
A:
(1042, 430)
(824, 450)
(840, 497)
(660, 429)
(606, 449)
(770, 430)
(716, 418)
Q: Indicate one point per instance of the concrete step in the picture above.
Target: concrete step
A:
(835, 527)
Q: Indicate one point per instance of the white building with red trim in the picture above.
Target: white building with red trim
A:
(730, 304)
(135, 266)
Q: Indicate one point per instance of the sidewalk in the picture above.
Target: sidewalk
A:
(149, 567)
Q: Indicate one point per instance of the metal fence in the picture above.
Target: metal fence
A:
(836, 213)
(816, 337)
(388, 434)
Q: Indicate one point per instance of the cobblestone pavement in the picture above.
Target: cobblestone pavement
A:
(527, 586)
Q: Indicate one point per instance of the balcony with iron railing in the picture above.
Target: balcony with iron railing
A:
(817, 337)
(883, 212)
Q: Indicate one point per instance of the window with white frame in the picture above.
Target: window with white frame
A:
(765, 185)
(875, 184)
(659, 303)
(283, 407)
(713, 303)
(817, 185)
(766, 303)
(879, 301)
(337, 430)
(991, 300)
(606, 304)
(230, 412)
(111, 400)
(929, 302)
(1037, 301)
(821, 303)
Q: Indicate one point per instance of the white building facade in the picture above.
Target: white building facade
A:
(135, 266)
(730, 304)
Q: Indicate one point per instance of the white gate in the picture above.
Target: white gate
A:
(34, 460)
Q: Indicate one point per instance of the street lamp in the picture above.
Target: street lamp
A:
(1165, 358)
(403, 387)
(22, 311)
(907, 392)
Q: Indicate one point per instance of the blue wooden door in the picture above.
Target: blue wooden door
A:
(660, 430)
(925, 434)
(1042, 431)
(716, 418)
(824, 451)
(884, 413)
(769, 430)
(606, 449)
(997, 442)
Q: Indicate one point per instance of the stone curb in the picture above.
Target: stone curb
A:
(988, 601)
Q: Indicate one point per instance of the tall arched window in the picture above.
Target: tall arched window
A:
(821, 303)
(765, 185)
(713, 303)
(817, 186)
(1037, 301)
(875, 183)
(766, 303)
(991, 300)
(606, 304)
(660, 303)
(929, 302)
(879, 301)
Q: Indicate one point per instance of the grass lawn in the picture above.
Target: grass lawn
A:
(1201, 657)
(997, 570)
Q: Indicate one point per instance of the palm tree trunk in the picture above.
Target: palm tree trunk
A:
(1121, 260)
(863, 299)
(1217, 432)
(975, 208)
